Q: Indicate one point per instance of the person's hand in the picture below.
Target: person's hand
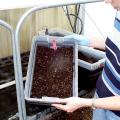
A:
(81, 39)
(72, 103)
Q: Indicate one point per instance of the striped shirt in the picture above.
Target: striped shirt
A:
(108, 83)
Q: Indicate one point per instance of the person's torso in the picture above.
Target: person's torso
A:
(108, 83)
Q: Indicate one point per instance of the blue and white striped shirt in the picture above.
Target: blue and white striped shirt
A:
(108, 83)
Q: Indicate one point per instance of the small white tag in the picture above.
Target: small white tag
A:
(50, 99)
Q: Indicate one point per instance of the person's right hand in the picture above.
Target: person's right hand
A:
(81, 39)
(72, 104)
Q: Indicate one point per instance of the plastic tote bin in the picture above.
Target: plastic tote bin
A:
(46, 41)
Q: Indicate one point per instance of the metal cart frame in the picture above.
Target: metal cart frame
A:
(12, 32)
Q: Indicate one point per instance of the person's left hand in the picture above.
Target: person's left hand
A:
(71, 104)
(80, 39)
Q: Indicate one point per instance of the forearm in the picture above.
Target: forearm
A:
(97, 43)
(110, 103)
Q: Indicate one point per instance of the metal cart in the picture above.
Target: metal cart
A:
(16, 48)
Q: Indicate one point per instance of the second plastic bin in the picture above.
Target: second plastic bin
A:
(90, 65)
(91, 59)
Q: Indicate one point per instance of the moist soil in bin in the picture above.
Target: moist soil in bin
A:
(80, 114)
(86, 58)
(53, 72)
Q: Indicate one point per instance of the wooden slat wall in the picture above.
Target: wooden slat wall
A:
(52, 18)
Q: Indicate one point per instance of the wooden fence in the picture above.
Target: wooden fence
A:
(51, 18)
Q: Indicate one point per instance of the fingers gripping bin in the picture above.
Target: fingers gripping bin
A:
(52, 74)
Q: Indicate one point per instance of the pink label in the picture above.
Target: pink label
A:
(54, 45)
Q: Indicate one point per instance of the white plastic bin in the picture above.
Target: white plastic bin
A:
(43, 40)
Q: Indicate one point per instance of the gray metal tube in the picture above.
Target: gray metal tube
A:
(8, 84)
(6, 25)
(40, 7)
